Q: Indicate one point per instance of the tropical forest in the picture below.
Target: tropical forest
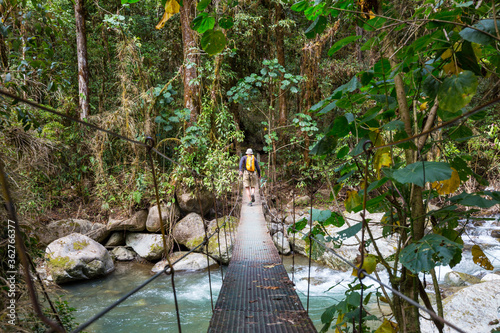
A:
(374, 124)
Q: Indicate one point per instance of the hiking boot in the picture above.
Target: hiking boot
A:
(253, 198)
(250, 204)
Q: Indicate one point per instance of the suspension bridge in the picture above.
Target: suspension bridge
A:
(257, 295)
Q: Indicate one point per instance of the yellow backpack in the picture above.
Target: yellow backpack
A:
(250, 163)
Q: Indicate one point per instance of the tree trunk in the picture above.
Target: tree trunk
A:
(191, 60)
(280, 54)
(83, 70)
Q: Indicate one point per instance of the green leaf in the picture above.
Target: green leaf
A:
(202, 23)
(339, 128)
(475, 200)
(343, 152)
(457, 91)
(213, 41)
(349, 232)
(421, 172)
(341, 43)
(325, 146)
(475, 36)
(461, 133)
(431, 86)
(335, 219)
(129, 1)
(317, 27)
(467, 58)
(328, 108)
(374, 23)
(226, 22)
(300, 6)
(202, 4)
(320, 215)
(431, 251)
(383, 66)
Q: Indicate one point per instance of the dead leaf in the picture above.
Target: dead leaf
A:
(387, 327)
(480, 258)
(448, 186)
(172, 7)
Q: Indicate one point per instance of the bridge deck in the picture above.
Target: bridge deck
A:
(257, 295)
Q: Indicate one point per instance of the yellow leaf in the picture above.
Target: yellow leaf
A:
(172, 7)
(387, 327)
(448, 186)
(381, 159)
(340, 319)
(369, 265)
(383, 299)
(452, 68)
(372, 14)
(480, 258)
(353, 200)
(423, 106)
(446, 54)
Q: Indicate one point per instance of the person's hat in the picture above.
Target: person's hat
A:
(249, 151)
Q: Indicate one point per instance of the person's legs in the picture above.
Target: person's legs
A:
(247, 182)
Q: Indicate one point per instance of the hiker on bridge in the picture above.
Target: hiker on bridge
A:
(249, 168)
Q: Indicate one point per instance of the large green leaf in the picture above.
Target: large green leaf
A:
(202, 23)
(421, 172)
(202, 4)
(467, 58)
(317, 27)
(341, 43)
(475, 36)
(457, 91)
(349, 232)
(431, 251)
(325, 146)
(477, 199)
(226, 22)
(213, 41)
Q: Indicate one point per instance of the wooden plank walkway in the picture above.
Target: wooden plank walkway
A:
(257, 295)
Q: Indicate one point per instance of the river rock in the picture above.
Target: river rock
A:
(495, 234)
(190, 232)
(491, 277)
(274, 227)
(281, 242)
(301, 201)
(77, 257)
(472, 309)
(170, 213)
(117, 238)
(148, 246)
(61, 228)
(136, 223)
(188, 199)
(121, 253)
(456, 279)
(192, 262)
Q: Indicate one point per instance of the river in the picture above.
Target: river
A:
(152, 309)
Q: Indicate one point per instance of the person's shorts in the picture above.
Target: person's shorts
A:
(250, 179)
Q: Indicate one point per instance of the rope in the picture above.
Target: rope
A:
(162, 228)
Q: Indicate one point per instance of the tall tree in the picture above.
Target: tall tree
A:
(83, 70)
(191, 60)
(280, 55)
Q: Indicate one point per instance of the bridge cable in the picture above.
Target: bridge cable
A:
(162, 228)
(217, 223)
(293, 219)
(310, 245)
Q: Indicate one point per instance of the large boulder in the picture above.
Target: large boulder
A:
(148, 246)
(77, 257)
(281, 242)
(135, 223)
(170, 213)
(458, 279)
(190, 232)
(472, 308)
(61, 228)
(192, 262)
(188, 199)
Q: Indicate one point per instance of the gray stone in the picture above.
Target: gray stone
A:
(472, 309)
(187, 199)
(121, 253)
(302, 201)
(170, 213)
(61, 228)
(148, 246)
(457, 279)
(281, 242)
(274, 228)
(77, 257)
(190, 232)
(136, 223)
(192, 262)
(117, 238)
(495, 234)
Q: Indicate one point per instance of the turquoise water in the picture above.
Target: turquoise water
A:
(152, 309)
